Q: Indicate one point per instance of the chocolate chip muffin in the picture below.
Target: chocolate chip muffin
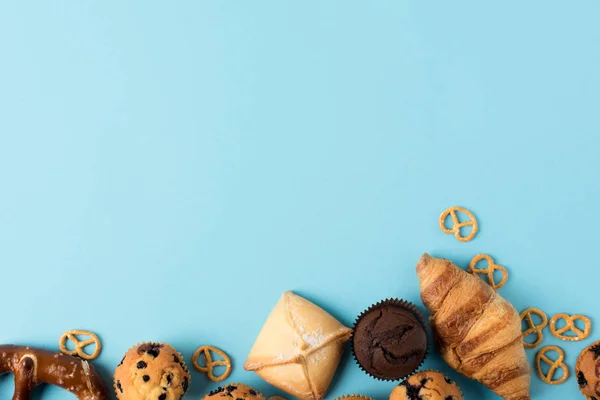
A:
(427, 385)
(389, 340)
(151, 371)
(587, 371)
(353, 397)
(234, 391)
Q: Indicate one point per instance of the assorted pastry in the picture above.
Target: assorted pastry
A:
(33, 367)
(237, 391)
(430, 385)
(587, 370)
(389, 340)
(299, 348)
(151, 371)
(477, 332)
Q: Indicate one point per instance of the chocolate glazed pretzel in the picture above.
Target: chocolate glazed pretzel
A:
(32, 367)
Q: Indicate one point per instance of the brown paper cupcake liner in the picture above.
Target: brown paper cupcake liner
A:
(181, 362)
(448, 380)
(402, 304)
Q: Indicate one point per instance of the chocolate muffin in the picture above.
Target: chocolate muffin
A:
(587, 371)
(151, 371)
(430, 385)
(389, 340)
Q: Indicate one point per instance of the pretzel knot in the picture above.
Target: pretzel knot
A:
(457, 225)
(570, 326)
(554, 365)
(210, 365)
(489, 271)
(80, 345)
(532, 327)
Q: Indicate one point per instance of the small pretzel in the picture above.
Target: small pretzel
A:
(210, 364)
(554, 365)
(456, 225)
(80, 345)
(489, 271)
(570, 326)
(532, 327)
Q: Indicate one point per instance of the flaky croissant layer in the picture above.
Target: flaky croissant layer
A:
(478, 331)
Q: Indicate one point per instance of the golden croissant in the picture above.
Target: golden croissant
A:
(478, 332)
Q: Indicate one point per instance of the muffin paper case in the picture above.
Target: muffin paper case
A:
(353, 397)
(395, 338)
(153, 349)
(447, 380)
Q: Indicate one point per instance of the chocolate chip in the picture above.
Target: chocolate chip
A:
(162, 396)
(152, 349)
(175, 358)
(119, 386)
(169, 378)
(121, 363)
(252, 392)
(186, 382)
(596, 350)
(146, 378)
(448, 380)
(141, 365)
(154, 353)
(581, 381)
(216, 391)
(231, 388)
(449, 398)
(424, 381)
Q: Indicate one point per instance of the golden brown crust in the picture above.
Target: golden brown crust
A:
(479, 332)
(33, 367)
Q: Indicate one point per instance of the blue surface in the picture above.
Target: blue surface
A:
(167, 170)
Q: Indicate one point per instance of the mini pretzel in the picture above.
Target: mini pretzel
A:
(554, 365)
(489, 271)
(570, 326)
(210, 365)
(80, 344)
(532, 327)
(33, 367)
(456, 225)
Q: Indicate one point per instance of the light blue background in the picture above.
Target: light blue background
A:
(168, 169)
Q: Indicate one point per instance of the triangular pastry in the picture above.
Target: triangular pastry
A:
(298, 348)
